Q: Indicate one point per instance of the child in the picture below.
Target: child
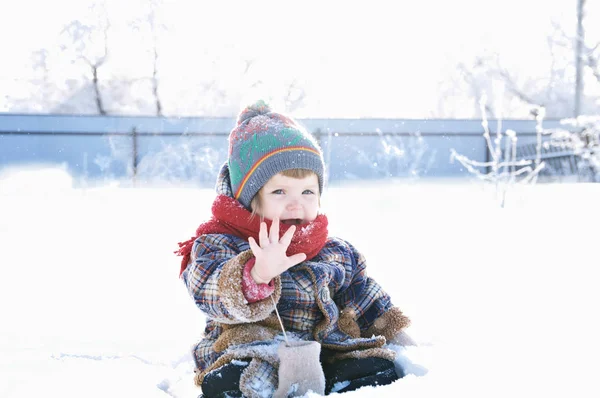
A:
(267, 244)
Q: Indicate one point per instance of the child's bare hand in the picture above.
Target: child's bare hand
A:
(271, 259)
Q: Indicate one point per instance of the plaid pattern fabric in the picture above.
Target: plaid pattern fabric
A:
(311, 292)
(223, 186)
(209, 254)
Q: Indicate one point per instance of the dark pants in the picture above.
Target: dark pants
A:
(341, 376)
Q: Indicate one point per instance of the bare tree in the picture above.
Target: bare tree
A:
(587, 52)
(88, 41)
(592, 59)
(152, 22)
(476, 88)
(530, 93)
(579, 40)
(151, 25)
(39, 92)
(557, 90)
(39, 59)
(504, 169)
(44, 92)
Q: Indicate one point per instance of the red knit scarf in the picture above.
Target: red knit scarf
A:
(230, 217)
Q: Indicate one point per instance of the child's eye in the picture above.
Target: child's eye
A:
(278, 192)
(308, 192)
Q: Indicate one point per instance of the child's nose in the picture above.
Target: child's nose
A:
(293, 204)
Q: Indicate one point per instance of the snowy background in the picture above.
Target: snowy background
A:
(503, 301)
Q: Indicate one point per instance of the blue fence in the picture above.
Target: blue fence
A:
(193, 149)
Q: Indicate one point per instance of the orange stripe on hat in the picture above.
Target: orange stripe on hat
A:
(265, 157)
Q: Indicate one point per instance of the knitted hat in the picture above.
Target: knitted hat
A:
(265, 143)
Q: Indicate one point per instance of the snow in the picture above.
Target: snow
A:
(503, 301)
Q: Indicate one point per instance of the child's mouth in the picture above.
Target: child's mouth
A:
(292, 221)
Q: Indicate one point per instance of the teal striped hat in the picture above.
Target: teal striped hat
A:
(264, 143)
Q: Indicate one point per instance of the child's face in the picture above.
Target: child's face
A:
(292, 200)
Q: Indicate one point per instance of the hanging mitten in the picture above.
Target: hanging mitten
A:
(299, 369)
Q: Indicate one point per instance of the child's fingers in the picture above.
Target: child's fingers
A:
(274, 235)
(263, 237)
(286, 239)
(254, 246)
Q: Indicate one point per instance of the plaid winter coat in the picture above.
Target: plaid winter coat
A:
(329, 299)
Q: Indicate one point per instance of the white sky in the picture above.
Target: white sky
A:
(389, 54)
(503, 302)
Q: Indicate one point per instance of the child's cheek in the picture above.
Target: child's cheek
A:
(273, 207)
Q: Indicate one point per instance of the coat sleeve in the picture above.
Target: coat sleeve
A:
(363, 297)
(214, 280)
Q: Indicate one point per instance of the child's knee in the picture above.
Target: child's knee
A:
(350, 374)
(224, 379)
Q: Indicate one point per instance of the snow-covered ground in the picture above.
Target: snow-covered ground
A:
(504, 302)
